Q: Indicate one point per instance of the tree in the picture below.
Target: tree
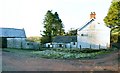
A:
(72, 32)
(48, 22)
(53, 26)
(34, 39)
(112, 19)
(59, 25)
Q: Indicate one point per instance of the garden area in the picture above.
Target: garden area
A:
(63, 53)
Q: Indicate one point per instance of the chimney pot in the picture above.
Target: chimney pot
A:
(93, 15)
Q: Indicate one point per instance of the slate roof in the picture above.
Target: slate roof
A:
(86, 24)
(65, 39)
(12, 33)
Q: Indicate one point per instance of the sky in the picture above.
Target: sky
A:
(29, 14)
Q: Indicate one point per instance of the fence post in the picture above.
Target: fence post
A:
(80, 47)
(90, 46)
(99, 46)
(21, 43)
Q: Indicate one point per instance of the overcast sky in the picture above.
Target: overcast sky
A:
(29, 14)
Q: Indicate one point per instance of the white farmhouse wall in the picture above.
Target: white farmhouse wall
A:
(94, 36)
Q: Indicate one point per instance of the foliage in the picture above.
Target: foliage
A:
(114, 38)
(68, 55)
(72, 32)
(33, 39)
(112, 19)
(53, 26)
(58, 25)
(74, 50)
(44, 39)
(56, 54)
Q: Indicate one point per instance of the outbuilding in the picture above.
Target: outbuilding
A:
(12, 38)
(64, 42)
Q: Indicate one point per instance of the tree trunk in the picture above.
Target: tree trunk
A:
(118, 39)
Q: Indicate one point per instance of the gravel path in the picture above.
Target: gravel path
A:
(19, 62)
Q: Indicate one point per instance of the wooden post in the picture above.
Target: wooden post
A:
(21, 43)
(70, 45)
(14, 43)
(90, 46)
(99, 46)
(80, 47)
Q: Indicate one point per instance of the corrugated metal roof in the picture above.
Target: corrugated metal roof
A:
(65, 39)
(12, 33)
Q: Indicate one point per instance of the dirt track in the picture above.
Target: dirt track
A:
(15, 62)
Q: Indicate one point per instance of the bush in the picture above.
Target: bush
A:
(57, 54)
(114, 38)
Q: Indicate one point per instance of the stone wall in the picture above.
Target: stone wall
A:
(21, 43)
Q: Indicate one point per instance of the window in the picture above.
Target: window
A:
(29, 43)
(73, 43)
(60, 45)
(84, 34)
(81, 34)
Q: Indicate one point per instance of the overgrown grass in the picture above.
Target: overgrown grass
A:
(62, 53)
(69, 55)
(75, 50)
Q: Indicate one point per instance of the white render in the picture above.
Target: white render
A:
(64, 45)
(94, 35)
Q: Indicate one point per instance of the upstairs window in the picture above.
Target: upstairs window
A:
(84, 34)
(73, 43)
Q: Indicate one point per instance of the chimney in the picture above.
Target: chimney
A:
(93, 15)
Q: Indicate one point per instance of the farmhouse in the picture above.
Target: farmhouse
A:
(15, 38)
(93, 34)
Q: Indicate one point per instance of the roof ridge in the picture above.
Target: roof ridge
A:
(10, 28)
(86, 24)
(12, 32)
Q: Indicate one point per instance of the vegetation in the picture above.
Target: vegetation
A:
(73, 50)
(62, 53)
(53, 26)
(68, 55)
(72, 32)
(33, 39)
(112, 20)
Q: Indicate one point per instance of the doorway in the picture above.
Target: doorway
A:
(3, 43)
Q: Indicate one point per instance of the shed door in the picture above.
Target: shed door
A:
(4, 42)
